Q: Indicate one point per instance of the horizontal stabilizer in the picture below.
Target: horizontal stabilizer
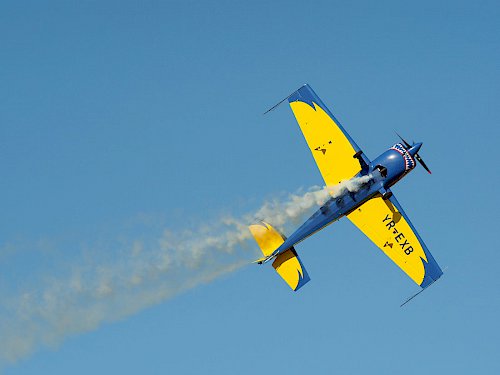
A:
(287, 263)
(290, 268)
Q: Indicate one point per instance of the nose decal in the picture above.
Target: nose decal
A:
(409, 161)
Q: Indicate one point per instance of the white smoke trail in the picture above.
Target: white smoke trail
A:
(352, 185)
(279, 213)
(143, 272)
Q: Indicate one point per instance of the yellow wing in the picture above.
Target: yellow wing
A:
(332, 148)
(386, 224)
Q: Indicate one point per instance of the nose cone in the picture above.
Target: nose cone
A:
(414, 149)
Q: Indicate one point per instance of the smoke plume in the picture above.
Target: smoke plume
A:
(93, 289)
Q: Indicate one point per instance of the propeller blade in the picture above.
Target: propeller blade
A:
(406, 143)
(422, 163)
(417, 156)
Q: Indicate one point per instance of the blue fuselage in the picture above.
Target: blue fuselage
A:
(385, 171)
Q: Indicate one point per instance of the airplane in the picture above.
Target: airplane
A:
(373, 208)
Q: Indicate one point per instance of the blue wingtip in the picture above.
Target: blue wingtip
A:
(305, 94)
(293, 94)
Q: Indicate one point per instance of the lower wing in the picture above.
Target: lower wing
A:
(387, 225)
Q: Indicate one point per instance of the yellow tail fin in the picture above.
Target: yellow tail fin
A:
(268, 238)
(287, 263)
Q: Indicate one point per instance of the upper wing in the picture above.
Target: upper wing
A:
(386, 224)
(333, 149)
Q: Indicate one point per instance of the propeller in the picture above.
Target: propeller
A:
(417, 156)
(402, 140)
(422, 163)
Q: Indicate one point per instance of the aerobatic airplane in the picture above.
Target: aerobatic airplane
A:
(372, 208)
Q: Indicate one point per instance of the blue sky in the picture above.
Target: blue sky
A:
(128, 128)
